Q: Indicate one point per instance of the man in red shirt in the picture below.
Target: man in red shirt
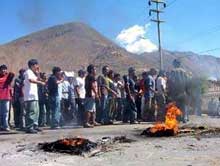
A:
(5, 96)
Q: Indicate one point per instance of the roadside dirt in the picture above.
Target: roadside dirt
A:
(21, 149)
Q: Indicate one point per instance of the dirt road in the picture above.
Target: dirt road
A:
(20, 149)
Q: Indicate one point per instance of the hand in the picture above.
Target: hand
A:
(97, 96)
(42, 83)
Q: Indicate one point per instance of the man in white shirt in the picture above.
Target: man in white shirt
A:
(80, 96)
(30, 90)
(161, 86)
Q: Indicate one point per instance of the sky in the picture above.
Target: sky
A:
(190, 25)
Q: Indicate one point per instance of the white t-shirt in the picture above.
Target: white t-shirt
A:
(65, 89)
(80, 82)
(161, 82)
(30, 89)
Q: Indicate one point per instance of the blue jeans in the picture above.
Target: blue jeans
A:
(42, 114)
(4, 112)
(130, 111)
(104, 109)
(55, 110)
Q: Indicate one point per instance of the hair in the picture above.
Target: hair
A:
(125, 78)
(111, 73)
(117, 75)
(21, 71)
(43, 75)
(144, 73)
(56, 70)
(32, 62)
(162, 73)
(104, 68)
(131, 69)
(3, 67)
(90, 68)
(81, 72)
(153, 71)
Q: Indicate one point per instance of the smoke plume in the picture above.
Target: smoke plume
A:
(32, 14)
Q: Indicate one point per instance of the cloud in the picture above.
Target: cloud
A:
(133, 39)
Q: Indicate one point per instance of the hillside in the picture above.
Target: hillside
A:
(71, 46)
(75, 45)
(199, 65)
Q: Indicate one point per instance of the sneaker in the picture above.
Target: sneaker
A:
(31, 131)
(38, 129)
(55, 127)
(5, 129)
(87, 125)
(110, 122)
(134, 122)
(43, 125)
(96, 124)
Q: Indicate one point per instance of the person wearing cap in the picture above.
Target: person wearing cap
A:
(130, 111)
(18, 101)
(80, 96)
(5, 96)
(30, 90)
(150, 90)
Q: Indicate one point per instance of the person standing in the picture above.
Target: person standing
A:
(54, 85)
(120, 96)
(103, 90)
(178, 88)
(150, 102)
(5, 96)
(130, 112)
(161, 86)
(18, 101)
(72, 99)
(80, 94)
(66, 113)
(42, 93)
(112, 95)
(31, 103)
(91, 95)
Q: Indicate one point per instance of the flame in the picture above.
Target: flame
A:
(72, 141)
(171, 122)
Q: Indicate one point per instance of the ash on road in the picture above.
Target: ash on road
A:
(21, 149)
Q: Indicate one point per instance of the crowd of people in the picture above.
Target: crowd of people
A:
(89, 99)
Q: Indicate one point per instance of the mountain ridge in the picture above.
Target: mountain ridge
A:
(74, 45)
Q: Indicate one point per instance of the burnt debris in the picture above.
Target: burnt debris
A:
(82, 146)
(74, 146)
(159, 133)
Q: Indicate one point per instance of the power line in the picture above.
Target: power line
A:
(201, 34)
(171, 3)
(210, 50)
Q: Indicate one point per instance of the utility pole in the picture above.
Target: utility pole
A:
(158, 10)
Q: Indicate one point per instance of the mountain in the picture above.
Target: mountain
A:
(199, 65)
(70, 46)
(75, 45)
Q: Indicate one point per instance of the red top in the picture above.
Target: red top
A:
(5, 88)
